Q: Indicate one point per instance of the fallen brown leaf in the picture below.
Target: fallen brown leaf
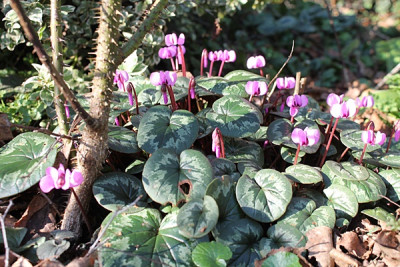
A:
(343, 260)
(319, 244)
(351, 242)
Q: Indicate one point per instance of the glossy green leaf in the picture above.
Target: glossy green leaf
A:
(352, 140)
(160, 128)
(248, 167)
(282, 259)
(322, 216)
(143, 239)
(211, 86)
(346, 170)
(342, 200)
(304, 174)
(312, 194)
(260, 135)
(24, 160)
(242, 237)
(392, 180)
(172, 178)
(235, 116)
(122, 140)
(149, 97)
(115, 190)
(367, 190)
(211, 254)
(222, 189)
(289, 154)
(52, 249)
(198, 217)
(265, 197)
(205, 127)
(222, 166)
(135, 167)
(238, 150)
(347, 125)
(14, 235)
(381, 215)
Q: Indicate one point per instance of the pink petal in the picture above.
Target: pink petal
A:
(67, 182)
(251, 63)
(260, 61)
(380, 138)
(46, 184)
(304, 101)
(290, 100)
(293, 111)
(181, 39)
(352, 108)
(290, 82)
(250, 85)
(367, 136)
(165, 97)
(336, 110)
(76, 178)
(280, 83)
(397, 135)
(332, 99)
(313, 136)
(299, 136)
(231, 56)
(263, 88)
(171, 77)
(220, 55)
(155, 79)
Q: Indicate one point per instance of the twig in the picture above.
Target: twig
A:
(297, 86)
(3, 231)
(391, 201)
(44, 58)
(279, 72)
(95, 244)
(43, 130)
(85, 218)
(395, 70)
(51, 203)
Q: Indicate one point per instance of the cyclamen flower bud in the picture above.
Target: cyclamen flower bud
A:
(285, 83)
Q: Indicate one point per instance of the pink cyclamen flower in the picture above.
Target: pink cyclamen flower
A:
(120, 78)
(229, 56)
(397, 135)
(60, 178)
(256, 88)
(344, 110)
(306, 137)
(163, 77)
(216, 146)
(212, 56)
(369, 137)
(167, 52)
(255, 62)
(172, 39)
(366, 101)
(333, 99)
(295, 102)
(285, 83)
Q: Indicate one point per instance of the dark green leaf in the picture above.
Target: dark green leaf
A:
(212, 254)
(122, 140)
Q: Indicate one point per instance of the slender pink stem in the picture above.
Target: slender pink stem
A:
(182, 60)
(297, 154)
(329, 143)
(329, 127)
(172, 97)
(211, 68)
(173, 64)
(221, 141)
(292, 119)
(203, 58)
(130, 86)
(261, 72)
(221, 67)
(251, 98)
(362, 154)
(344, 153)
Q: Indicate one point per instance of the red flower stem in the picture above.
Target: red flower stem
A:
(172, 97)
(251, 98)
(329, 143)
(261, 72)
(276, 99)
(210, 69)
(328, 128)
(292, 119)
(135, 95)
(203, 57)
(355, 115)
(390, 139)
(221, 67)
(183, 61)
(188, 97)
(297, 154)
(344, 153)
(85, 218)
(362, 154)
(221, 141)
(173, 64)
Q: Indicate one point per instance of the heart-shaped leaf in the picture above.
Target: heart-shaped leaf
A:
(169, 177)
(222, 166)
(122, 140)
(347, 125)
(115, 190)
(304, 174)
(281, 235)
(301, 213)
(382, 215)
(248, 167)
(366, 190)
(211, 254)
(222, 189)
(392, 181)
(288, 154)
(235, 116)
(24, 160)
(210, 86)
(342, 200)
(142, 239)
(198, 217)
(205, 127)
(160, 128)
(238, 150)
(260, 135)
(265, 197)
(314, 195)
(52, 249)
(149, 97)
(242, 237)
(14, 235)
(282, 259)
(346, 170)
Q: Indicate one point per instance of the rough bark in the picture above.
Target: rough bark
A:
(93, 146)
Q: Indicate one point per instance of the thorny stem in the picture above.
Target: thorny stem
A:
(4, 234)
(182, 60)
(172, 97)
(104, 229)
(44, 58)
(203, 57)
(297, 154)
(329, 143)
(85, 218)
